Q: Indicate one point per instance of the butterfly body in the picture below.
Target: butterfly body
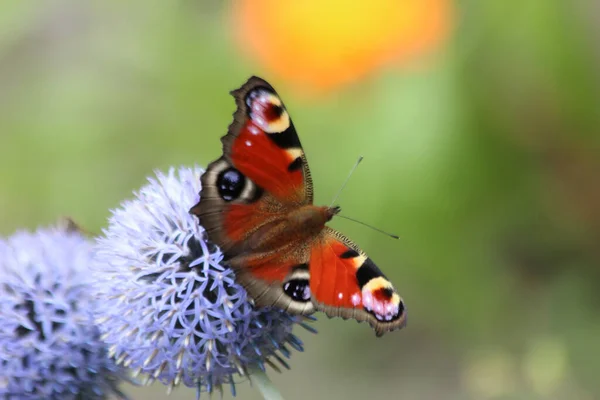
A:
(257, 206)
(299, 225)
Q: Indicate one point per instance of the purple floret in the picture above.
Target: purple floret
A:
(170, 309)
(49, 346)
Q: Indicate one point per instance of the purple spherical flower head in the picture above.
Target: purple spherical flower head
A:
(49, 346)
(170, 308)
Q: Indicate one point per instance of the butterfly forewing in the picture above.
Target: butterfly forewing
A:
(262, 143)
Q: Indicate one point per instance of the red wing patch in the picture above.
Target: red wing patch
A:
(344, 282)
(240, 219)
(264, 146)
(333, 279)
(260, 159)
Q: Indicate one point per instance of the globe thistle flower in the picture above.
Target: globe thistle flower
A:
(170, 309)
(49, 347)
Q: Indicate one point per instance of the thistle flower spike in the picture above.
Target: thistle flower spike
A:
(170, 306)
(49, 346)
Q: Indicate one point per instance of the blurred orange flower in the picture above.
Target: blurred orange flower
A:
(328, 43)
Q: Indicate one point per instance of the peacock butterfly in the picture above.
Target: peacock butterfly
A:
(256, 204)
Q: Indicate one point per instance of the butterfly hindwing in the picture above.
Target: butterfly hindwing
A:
(281, 280)
(345, 282)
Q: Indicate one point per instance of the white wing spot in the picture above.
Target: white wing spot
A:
(248, 143)
(262, 124)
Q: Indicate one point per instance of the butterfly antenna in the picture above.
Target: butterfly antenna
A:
(346, 181)
(369, 226)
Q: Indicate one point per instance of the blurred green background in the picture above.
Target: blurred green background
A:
(485, 159)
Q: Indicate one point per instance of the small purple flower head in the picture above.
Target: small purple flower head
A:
(49, 346)
(170, 309)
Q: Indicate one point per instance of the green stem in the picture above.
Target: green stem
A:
(265, 386)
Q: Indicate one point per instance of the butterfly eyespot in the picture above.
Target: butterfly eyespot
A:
(274, 111)
(297, 289)
(383, 303)
(266, 111)
(230, 184)
(384, 293)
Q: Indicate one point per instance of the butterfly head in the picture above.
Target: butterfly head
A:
(332, 211)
